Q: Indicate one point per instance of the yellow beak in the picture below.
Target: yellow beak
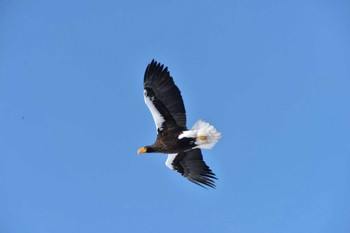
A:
(141, 150)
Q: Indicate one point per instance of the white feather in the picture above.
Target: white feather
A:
(199, 129)
(157, 117)
(169, 161)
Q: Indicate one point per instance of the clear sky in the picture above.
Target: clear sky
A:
(273, 76)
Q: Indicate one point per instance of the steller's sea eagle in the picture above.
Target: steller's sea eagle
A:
(183, 146)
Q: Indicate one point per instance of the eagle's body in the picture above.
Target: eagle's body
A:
(163, 98)
(169, 144)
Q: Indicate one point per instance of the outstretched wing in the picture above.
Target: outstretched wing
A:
(163, 98)
(190, 164)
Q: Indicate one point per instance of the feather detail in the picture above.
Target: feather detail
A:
(206, 135)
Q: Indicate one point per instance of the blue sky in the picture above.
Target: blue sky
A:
(272, 76)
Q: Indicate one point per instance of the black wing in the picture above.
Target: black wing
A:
(163, 98)
(190, 164)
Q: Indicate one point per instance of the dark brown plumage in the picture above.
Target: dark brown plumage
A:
(164, 100)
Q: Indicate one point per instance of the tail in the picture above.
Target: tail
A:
(206, 135)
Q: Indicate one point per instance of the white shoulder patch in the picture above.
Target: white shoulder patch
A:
(169, 161)
(157, 117)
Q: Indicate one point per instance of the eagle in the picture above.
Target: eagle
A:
(183, 146)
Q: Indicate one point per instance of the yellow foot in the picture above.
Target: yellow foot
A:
(203, 138)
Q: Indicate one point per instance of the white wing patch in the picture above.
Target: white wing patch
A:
(157, 117)
(169, 161)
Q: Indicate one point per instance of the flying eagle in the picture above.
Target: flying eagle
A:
(183, 146)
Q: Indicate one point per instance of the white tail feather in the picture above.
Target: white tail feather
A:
(206, 135)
